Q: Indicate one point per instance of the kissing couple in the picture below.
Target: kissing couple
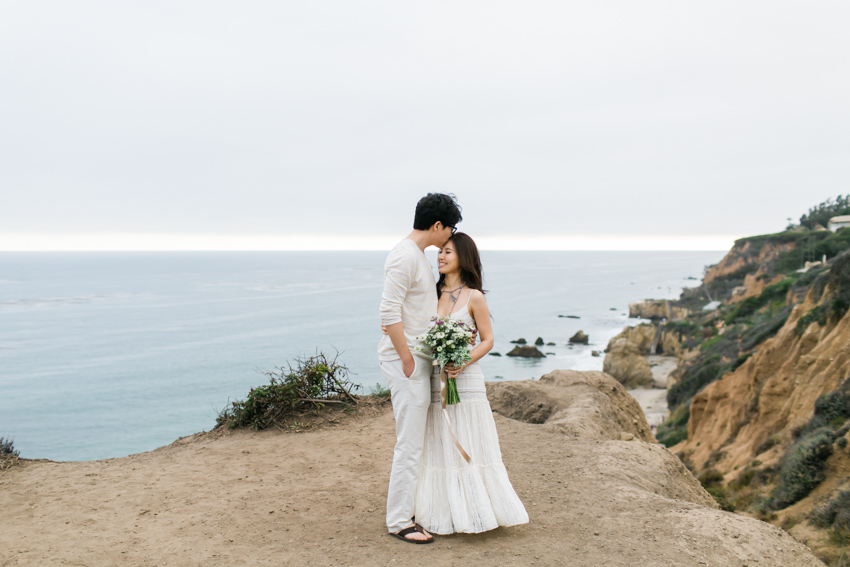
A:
(432, 487)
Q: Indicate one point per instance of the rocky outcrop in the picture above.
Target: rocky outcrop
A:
(624, 362)
(747, 253)
(579, 338)
(529, 351)
(519, 341)
(540, 341)
(657, 309)
(643, 335)
(591, 405)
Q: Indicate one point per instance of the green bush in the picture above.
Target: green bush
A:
(311, 383)
(710, 477)
(762, 331)
(815, 314)
(379, 391)
(8, 454)
(802, 468)
(835, 514)
(833, 408)
(705, 369)
(751, 304)
(675, 427)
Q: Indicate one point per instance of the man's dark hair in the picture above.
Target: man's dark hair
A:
(435, 207)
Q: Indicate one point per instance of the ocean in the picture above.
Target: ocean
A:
(108, 354)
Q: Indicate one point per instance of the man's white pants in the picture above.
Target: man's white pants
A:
(411, 398)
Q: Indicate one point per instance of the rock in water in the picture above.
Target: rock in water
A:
(539, 341)
(625, 363)
(495, 354)
(594, 353)
(526, 352)
(579, 338)
(519, 342)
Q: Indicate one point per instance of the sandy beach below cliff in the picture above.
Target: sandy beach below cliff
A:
(317, 498)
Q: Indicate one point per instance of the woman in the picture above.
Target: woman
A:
(453, 495)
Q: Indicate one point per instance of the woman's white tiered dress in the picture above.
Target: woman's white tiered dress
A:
(452, 495)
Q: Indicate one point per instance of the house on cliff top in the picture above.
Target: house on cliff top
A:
(836, 223)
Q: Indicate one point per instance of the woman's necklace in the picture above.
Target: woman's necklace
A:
(453, 298)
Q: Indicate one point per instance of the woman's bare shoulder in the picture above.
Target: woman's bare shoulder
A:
(476, 297)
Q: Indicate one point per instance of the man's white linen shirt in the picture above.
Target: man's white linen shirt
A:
(409, 297)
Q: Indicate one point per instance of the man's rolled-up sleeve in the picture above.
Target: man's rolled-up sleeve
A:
(398, 277)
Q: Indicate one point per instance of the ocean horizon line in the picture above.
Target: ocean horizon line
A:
(169, 242)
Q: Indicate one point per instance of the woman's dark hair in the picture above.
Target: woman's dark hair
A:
(469, 260)
(435, 207)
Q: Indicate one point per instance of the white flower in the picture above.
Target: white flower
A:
(439, 348)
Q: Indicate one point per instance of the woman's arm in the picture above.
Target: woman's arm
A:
(481, 314)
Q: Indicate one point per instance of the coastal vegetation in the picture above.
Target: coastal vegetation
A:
(820, 214)
(309, 384)
(8, 454)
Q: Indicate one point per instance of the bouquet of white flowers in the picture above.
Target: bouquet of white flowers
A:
(448, 340)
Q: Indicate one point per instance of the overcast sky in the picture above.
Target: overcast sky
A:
(319, 124)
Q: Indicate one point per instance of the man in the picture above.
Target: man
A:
(408, 303)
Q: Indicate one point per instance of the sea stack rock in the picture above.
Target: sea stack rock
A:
(526, 352)
(624, 362)
(579, 338)
(539, 341)
(519, 341)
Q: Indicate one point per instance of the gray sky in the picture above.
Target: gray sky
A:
(323, 122)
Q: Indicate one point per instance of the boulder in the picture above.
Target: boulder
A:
(550, 344)
(519, 341)
(495, 354)
(579, 338)
(624, 362)
(594, 353)
(539, 341)
(526, 352)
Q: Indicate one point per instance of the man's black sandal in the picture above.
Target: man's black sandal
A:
(407, 531)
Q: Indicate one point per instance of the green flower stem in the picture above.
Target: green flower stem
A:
(451, 392)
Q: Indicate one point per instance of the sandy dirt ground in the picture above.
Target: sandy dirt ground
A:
(317, 498)
(653, 402)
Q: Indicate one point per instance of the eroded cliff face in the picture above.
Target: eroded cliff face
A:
(746, 254)
(772, 393)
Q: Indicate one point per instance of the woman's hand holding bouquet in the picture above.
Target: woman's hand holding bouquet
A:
(449, 341)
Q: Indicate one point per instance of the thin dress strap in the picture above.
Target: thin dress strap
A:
(468, 298)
